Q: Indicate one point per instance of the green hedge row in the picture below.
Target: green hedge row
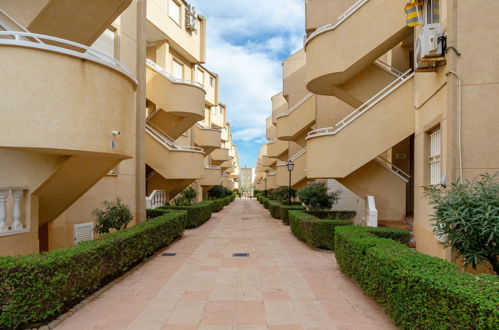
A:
(315, 232)
(275, 209)
(35, 289)
(284, 212)
(196, 214)
(332, 214)
(418, 291)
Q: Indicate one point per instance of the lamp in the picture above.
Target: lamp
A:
(290, 166)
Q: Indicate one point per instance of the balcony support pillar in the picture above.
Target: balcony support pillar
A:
(3, 211)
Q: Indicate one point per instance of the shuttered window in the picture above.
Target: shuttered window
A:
(174, 11)
(435, 157)
(83, 232)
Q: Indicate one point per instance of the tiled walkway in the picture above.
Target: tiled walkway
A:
(282, 285)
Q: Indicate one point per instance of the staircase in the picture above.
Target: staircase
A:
(401, 224)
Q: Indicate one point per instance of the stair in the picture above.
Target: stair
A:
(401, 224)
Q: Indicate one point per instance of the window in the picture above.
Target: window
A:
(431, 11)
(435, 159)
(212, 81)
(105, 43)
(177, 69)
(200, 76)
(174, 11)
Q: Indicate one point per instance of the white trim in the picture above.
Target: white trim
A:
(378, 97)
(394, 169)
(89, 54)
(294, 107)
(343, 17)
(204, 126)
(153, 65)
(212, 167)
(294, 157)
(167, 142)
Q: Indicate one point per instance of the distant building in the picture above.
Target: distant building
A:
(247, 175)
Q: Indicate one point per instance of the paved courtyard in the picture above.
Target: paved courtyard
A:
(283, 284)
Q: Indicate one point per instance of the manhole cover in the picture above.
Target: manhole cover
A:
(241, 255)
(169, 254)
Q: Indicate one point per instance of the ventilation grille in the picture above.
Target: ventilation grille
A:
(83, 232)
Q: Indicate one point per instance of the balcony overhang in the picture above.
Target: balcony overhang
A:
(212, 176)
(276, 148)
(297, 119)
(207, 138)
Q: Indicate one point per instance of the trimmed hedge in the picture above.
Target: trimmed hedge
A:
(418, 291)
(275, 209)
(35, 289)
(315, 232)
(154, 213)
(196, 214)
(284, 212)
(332, 214)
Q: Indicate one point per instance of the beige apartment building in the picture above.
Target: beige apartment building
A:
(131, 112)
(404, 107)
(246, 178)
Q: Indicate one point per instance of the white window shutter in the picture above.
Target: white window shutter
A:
(83, 232)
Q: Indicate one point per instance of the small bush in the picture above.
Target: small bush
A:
(218, 192)
(186, 197)
(314, 231)
(281, 194)
(467, 218)
(418, 291)
(275, 209)
(316, 197)
(284, 211)
(115, 215)
(37, 288)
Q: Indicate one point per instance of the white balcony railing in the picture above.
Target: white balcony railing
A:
(167, 142)
(156, 199)
(294, 157)
(13, 211)
(159, 69)
(294, 107)
(212, 167)
(343, 17)
(378, 97)
(204, 126)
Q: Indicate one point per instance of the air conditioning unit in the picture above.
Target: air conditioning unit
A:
(429, 48)
(191, 22)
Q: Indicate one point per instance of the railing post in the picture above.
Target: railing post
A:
(16, 214)
(3, 210)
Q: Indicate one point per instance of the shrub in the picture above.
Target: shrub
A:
(467, 218)
(315, 232)
(115, 215)
(35, 289)
(186, 197)
(196, 214)
(334, 214)
(284, 211)
(281, 194)
(316, 197)
(154, 213)
(218, 192)
(275, 209)
(418, 291)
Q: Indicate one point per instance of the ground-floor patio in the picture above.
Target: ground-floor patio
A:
(281, 284)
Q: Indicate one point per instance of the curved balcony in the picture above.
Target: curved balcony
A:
(173, 162)
(179, 103)
(294, 72)
(275, 148)
(212, 176)
(279, 105)
(80, 21)
(377, 125)
(69, 103)
(359, 36)
(297, 119)
(206, 137)
(219, 156)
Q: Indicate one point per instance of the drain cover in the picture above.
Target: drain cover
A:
(245, 218)
(240, 255)
(169, 254)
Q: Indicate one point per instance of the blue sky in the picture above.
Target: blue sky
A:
(246, 43)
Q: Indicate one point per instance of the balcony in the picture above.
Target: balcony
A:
(270, 132)
(299, 173)
(206, 137)
(219, 156)
(359, 36)
(319, 12)
(176, 166)
(279, 105)
(89, 106)
(294, 72)
(212, 176)
(179, 103)
(297, 119)
(380, 123)
(78, 21)
(268, 162)
(276, 148)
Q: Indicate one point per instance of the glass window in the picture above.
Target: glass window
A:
(174, 11)
(177, 69)
(432, 11)
(435, 159)
(200, 76)
(212, 81)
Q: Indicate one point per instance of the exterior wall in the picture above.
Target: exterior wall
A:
(349, 200)
(129, 183)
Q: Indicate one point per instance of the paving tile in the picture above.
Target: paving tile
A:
(283, 285)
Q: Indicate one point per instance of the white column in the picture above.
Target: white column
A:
(16, 214)
(3, 210)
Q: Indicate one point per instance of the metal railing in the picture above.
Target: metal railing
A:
(294, 107)
(378, 97)
(343, 17)
(204, 126)
(385, 66)
(294, 157)
(394, 169)
(212, 167)
(167, 142)
(159, 69)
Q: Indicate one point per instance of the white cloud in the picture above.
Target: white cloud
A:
(246, 42)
